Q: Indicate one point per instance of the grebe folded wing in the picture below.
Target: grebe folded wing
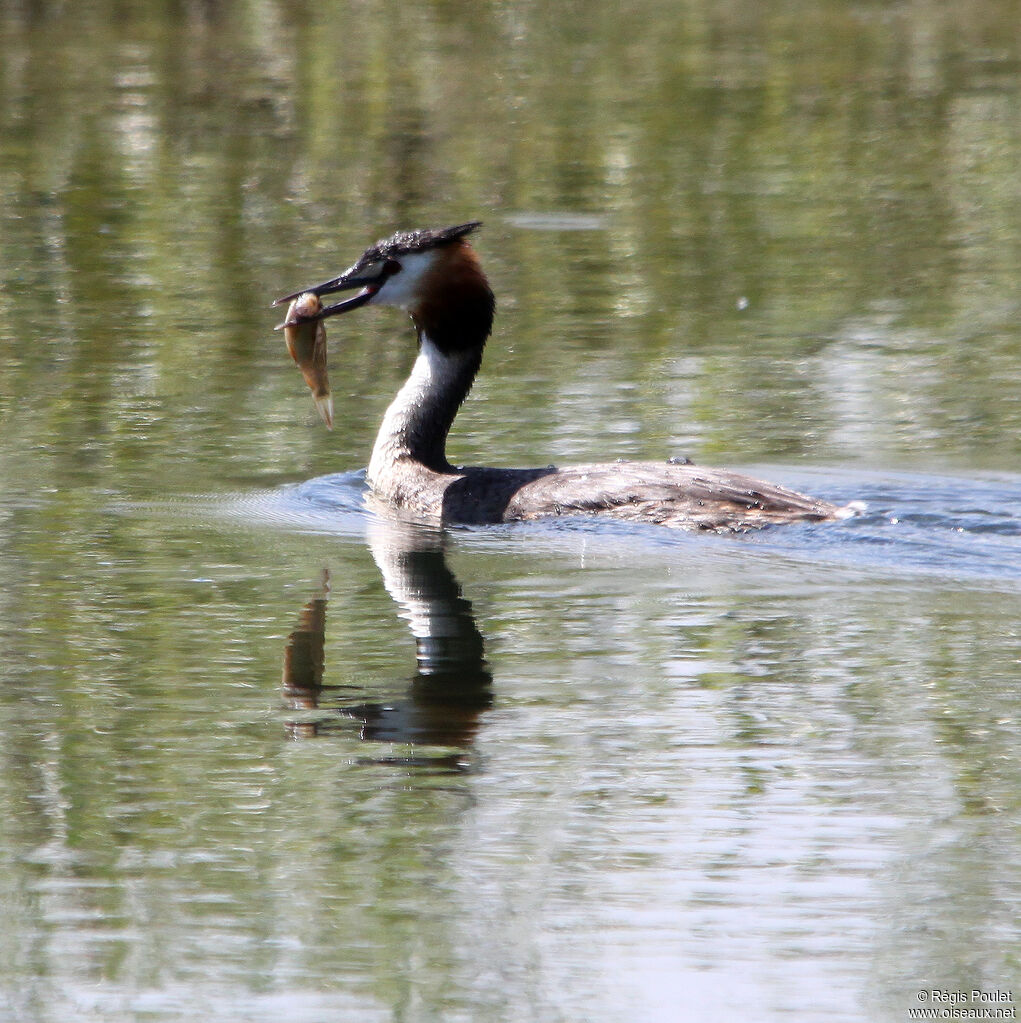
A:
(668, 494)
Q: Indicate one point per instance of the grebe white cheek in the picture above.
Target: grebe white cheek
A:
(403, 288)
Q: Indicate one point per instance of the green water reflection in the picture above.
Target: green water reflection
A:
(704, 776)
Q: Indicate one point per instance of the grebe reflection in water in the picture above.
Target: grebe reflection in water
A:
(452, 686)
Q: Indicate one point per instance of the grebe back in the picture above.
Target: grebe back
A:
(435, 276)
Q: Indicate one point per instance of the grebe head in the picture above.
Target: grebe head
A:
(433, 274)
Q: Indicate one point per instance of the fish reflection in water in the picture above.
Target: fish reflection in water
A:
(452, 686)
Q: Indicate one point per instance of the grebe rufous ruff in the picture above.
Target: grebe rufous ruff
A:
(435, 275)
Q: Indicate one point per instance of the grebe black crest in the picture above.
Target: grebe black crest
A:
(435, 276)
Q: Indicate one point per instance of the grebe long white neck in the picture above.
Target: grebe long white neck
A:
(419, 418)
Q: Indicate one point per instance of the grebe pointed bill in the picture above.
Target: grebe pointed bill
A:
(436, 276)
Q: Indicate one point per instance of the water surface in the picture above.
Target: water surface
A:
(265, 755)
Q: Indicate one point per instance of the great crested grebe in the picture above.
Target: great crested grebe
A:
(435, 275)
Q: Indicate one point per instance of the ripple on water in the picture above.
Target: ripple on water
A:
(959, 527)
(966, 528)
